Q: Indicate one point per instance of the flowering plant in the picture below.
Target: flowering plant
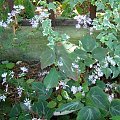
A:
(82, 84)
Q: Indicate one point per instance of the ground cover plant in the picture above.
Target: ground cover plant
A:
(81, 84)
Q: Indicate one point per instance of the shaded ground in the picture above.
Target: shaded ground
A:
(29, 43)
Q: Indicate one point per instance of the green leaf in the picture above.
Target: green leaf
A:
(99, 53)
(68, 108)
(115, 118)
(115, 71)
(51, 80)
(64, 58)
(41, 89)
(15, 111)
(65, 95)
(89, 61)
(101, 84)
(10, 65)
(29, 81)
(51, 104)
(41, 108)
(47, 58)
(115, 107)
(81, 53)
(98, 98)
(107, 72)
(89, 113)
(88, 43)
(117, 50)
(51, 6)
(85, 87)
(59, 97)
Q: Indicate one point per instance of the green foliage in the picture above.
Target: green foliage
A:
(88, 43)
(68, 108)
(89, 113)
(51, 80)
(29, 8)
(115, 107)
(67, 87)
(98, 98)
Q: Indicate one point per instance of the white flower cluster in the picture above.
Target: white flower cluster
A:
(109, 60)
(27, 103)
(2, 98)
(61, 85)
(20, 90)
(24, 71)
(37, 19)
(83, 21)
(96, 74)
(75, 89)
(43, 73)
(4, 75)
(17, 10)
(111, 97)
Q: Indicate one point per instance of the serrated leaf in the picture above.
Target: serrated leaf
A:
(68, 108)
(89, 113)
(51, 80)
(88, 43)
(47, 58)
(98, 98)
(115, 107)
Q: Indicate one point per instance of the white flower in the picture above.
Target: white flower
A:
(63, 84)
(18, 62)
(109, 85)
(111, 97)
(2, 98)
(83, 20)
(24, 69)
(4, 81)
(20, 89)
(27, 103)
(110, 60)
(93, 81)
(6, 88)
(91, 66)
(75, 65)
(11, 74)
(106, 89)
(83, 93)
(100, 73)
(78, 26)
(74, 89)
(80, 88)
(4, 75)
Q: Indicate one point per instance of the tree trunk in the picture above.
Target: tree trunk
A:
(92, 11)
